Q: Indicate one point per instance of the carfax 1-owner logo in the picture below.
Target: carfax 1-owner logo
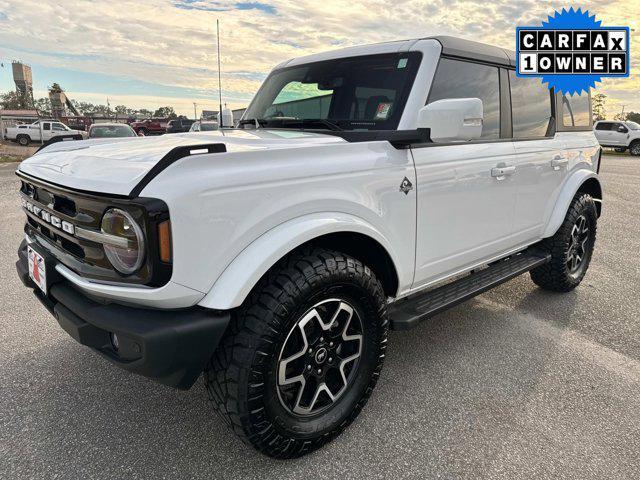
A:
(572, 51)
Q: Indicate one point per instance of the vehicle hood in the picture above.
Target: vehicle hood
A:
(116, 166)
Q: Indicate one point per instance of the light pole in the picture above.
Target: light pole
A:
(195, 113)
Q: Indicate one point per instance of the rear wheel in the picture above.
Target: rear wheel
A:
(570, 248)
(24, 140)
(302, 355)
(634, 148)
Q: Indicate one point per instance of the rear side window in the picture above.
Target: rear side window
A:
(575, 110)
(459, 79)
(603, 126)
(530, 107)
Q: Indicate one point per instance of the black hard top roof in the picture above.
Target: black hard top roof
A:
(459, 47)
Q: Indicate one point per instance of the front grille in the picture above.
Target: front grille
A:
(82, 210)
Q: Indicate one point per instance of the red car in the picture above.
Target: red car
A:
(150, 126)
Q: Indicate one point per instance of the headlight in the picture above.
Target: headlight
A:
(126, 259)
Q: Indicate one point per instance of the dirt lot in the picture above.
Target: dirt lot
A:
(517, 383)
(12, 152)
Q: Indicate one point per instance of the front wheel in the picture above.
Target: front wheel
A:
(302, 355)
(634, 148)
(570, 248)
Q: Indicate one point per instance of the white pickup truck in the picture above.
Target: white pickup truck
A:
(621, 135)
(365, 189)
(41, 131)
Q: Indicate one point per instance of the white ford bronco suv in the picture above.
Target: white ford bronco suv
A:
(364, 189)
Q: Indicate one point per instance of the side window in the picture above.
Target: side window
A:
(619, 127)
(575, 110)
(459, 79)
(58, 127)
(530, 106)
(46, 126)
(603, 126)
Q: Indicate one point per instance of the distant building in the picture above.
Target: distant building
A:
(24, 82)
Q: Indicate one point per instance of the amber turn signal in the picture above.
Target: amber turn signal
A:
(164, 240)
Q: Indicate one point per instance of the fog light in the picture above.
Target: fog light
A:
(114, 341)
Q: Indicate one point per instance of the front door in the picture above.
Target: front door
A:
(46, 131)
(466, 192)
(465, 208)
(619, 134)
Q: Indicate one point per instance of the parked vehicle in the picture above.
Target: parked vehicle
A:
(41, 131)
(619, 135)
(149, 127)
(364, 189)
(204, 126)
(111, 130)
(179, 125)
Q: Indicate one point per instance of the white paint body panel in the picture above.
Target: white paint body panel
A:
(234, 214)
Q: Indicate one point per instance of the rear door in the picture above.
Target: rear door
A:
(541, 161)
(464, 214)
(603, 133)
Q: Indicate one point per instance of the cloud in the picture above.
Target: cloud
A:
(173, 42)
(3, 16)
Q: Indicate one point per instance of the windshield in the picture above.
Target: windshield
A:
(364, 93)
(111, 131)
(208, 127)
(633, 125)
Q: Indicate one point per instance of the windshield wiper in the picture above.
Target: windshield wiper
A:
(306, 122)
(323, 121)
(283, 122)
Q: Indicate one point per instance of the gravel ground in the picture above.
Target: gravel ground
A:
(517, 383)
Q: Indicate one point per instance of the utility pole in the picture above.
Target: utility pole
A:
(219, 75)
(195, 114)
(622, 113)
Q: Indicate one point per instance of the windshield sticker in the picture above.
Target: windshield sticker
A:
(402, 62)
(383, 111)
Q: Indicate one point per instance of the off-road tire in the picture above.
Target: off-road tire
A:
(24, 140)
(241, 377)
(556, 275)
(634, 148)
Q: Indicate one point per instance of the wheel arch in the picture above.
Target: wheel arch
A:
(338, 231)
(581, 181)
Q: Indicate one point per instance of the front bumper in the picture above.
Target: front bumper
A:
(168, 346)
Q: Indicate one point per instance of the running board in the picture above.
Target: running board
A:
(407, 313)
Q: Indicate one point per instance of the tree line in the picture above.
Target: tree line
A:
(599, 111)
(12, 101)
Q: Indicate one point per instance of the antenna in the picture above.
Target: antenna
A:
(219, 76)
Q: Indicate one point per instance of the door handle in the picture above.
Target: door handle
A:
(558, 162)
(501, 172)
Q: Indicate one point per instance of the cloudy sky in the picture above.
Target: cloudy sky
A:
(151, 53)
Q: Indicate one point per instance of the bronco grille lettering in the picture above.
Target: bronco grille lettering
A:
(49, 218)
